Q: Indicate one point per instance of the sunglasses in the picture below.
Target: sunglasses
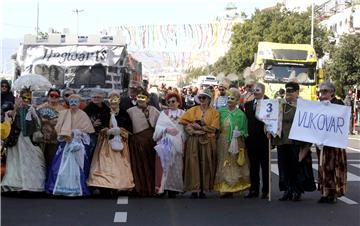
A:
(171, 101)
(67, 94)
(4, 86)
(290, 91)
(54, 95)
(202, 97)
(97, 97)
(256, 90)
(324, 91)
(221, 90)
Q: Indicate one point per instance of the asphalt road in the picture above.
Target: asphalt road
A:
(97, 211)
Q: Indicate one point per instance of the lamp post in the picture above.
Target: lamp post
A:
(77, 11)
(312, 23)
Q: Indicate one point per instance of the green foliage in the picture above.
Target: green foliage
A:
(344, 66)
(273, 25)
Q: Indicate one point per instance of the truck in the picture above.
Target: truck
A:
(79, 62)
(287, 62)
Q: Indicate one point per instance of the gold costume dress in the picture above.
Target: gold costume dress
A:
(200, 151)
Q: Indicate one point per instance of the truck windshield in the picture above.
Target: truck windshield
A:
(282, 73)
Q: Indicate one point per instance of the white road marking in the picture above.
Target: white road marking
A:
(350, 176)
(347, 200)
(356, 165)
(275, 169)
(353, 149)
(353, 138)
(122, 200)
(120, 217)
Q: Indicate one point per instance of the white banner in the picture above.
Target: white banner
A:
(73, 55)
(321, 123)
(267, 111)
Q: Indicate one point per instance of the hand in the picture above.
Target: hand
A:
(113, 131)
(96, 123)
(8, 116)
(172, 131)
(67, 139)
(196, 126)
(236, 133)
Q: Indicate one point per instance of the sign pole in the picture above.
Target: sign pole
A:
(269, 144)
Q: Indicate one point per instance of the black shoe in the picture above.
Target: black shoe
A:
(264, 196)
(286, 196)
(323, 199)
(226, 195)
(194, 195)
(297, 197)
(331, 200)
(252, 194)
(202, 195)
(172, 194)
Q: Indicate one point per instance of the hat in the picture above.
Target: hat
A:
(135, 84)
(206, 92)
(292, 86)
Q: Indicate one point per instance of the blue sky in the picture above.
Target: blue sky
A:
(19, 16)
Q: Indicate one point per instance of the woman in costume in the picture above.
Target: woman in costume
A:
(170, 136)
(70, 167)
(332, 164)
(25, 164)
(142, 153)
(110, 167)
(201, 123)
(49, 112)
(233, 169)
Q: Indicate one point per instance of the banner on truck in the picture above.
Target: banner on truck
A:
(73, 55)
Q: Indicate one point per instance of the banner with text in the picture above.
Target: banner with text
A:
(268, 111)
(321, 123)
(73, 55)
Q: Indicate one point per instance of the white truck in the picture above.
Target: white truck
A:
(81, 63)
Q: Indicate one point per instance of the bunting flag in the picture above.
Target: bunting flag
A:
(177, 47)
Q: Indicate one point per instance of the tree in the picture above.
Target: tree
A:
(344, 66)
(276, 24)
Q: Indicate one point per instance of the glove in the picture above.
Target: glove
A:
(236, 133)
(172, 131)
(113, 131)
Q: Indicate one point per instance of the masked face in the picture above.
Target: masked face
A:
(26, 97)
(74, 102)
(142, 98)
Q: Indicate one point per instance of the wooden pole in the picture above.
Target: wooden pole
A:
(269, 196)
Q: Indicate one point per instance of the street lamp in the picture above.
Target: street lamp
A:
(312, 23)
(77, 11)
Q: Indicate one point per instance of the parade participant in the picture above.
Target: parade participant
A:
(142, 154)
(221, 100)
(170, 136)
(129, 101)
(247, 94)
(332, 165)
(257, 145)
(49, 112)
(6, 126)
(70, 167)
(6, 94)
(25, 163)
(201, 123)
(110, 167)
(295, 176)
(98, 111)
(232, 169)
(190, 98)
(66, 94)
